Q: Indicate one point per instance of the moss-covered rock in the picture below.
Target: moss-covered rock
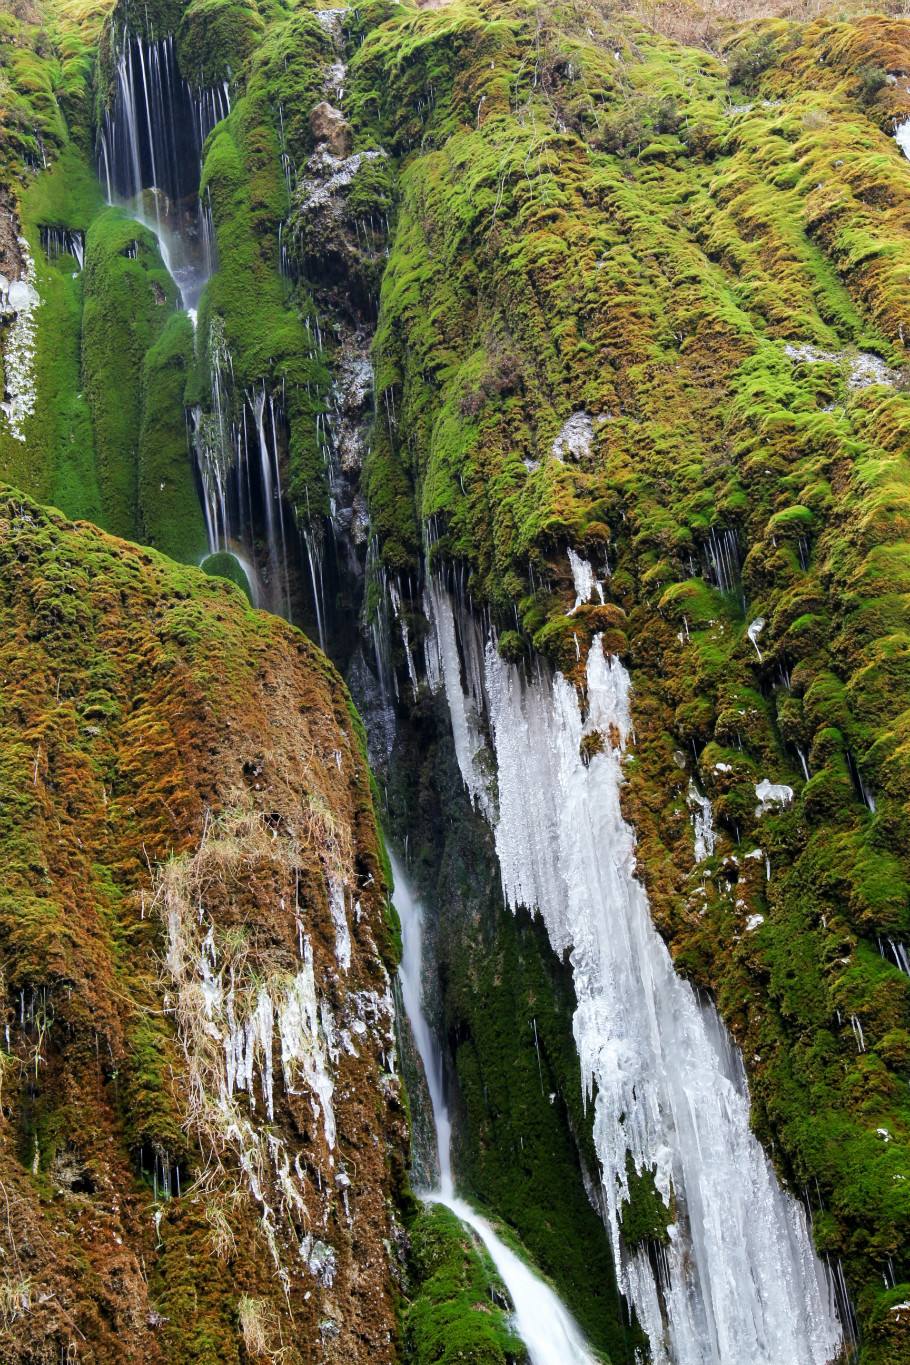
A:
(225, 565)
(129, 299)
(458, 1310)
(165, 748)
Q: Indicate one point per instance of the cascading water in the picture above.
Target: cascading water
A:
(547, 1330)
(149, 155)
(738, 1281)
(59, 241)
(150, 160)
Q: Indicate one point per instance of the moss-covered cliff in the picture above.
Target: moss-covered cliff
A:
(644, 301)
(190, 865)
(644, 298)
(100, 367)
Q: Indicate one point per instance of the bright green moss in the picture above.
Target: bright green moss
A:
(261, 323)
(458, 1310)
(129, 297)
(169, 514)
(216, 37)
(226, 565)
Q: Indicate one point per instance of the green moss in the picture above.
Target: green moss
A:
(169, 514)
(215, 38)
(247, 305)
(458, 1309)
(644, 1217)
(129, 297)
(623, 243)
(47, 68)
(225, 565)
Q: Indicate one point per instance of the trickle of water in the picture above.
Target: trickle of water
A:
(541, 1320)
(149, 156)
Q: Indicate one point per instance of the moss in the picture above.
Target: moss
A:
(644, 1216)
(169, 515)
(225, 565)
(621, 242)
(129, 297)
(145, 696)
(266, 330)
(458, 1309)
(48, 65)
(215, 38)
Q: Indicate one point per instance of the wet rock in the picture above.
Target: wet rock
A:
(329, 126)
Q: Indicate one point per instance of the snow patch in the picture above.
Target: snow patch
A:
(864, 368)
(329, 174)
(574, 440)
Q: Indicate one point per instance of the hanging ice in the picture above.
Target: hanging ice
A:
(771, 795)
(21, 298)
(740, 1281)
(702, 819)
(583, 580)
(340, 923)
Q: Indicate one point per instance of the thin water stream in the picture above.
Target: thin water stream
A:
(541, 1320)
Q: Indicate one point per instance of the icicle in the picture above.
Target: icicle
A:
(669, 1085)
(857, 1033)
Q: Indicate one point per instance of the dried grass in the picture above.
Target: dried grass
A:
(239, 847)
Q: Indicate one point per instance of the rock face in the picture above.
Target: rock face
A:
(201, 1132)
(609, 347)
(330, 127)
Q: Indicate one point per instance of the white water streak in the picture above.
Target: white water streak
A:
(741, 1281)
(547, 1330)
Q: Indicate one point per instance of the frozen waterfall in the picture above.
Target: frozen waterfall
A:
(547, 1330)
(739, 1282)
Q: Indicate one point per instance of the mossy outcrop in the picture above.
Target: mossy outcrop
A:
(642, 301)
(183, 796)
(452, 1277)
(102, 369)
(645, 298)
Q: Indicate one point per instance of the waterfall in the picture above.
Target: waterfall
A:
(738, 1280)
(60, 241)
(149, 155)
(541, 1320)
(724, 558)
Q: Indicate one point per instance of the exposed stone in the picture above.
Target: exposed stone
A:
(329, 126)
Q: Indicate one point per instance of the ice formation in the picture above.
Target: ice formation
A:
(740, 1280)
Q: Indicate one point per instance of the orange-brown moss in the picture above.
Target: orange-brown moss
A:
(142, 705)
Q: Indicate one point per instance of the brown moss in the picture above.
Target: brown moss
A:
(141, 700)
